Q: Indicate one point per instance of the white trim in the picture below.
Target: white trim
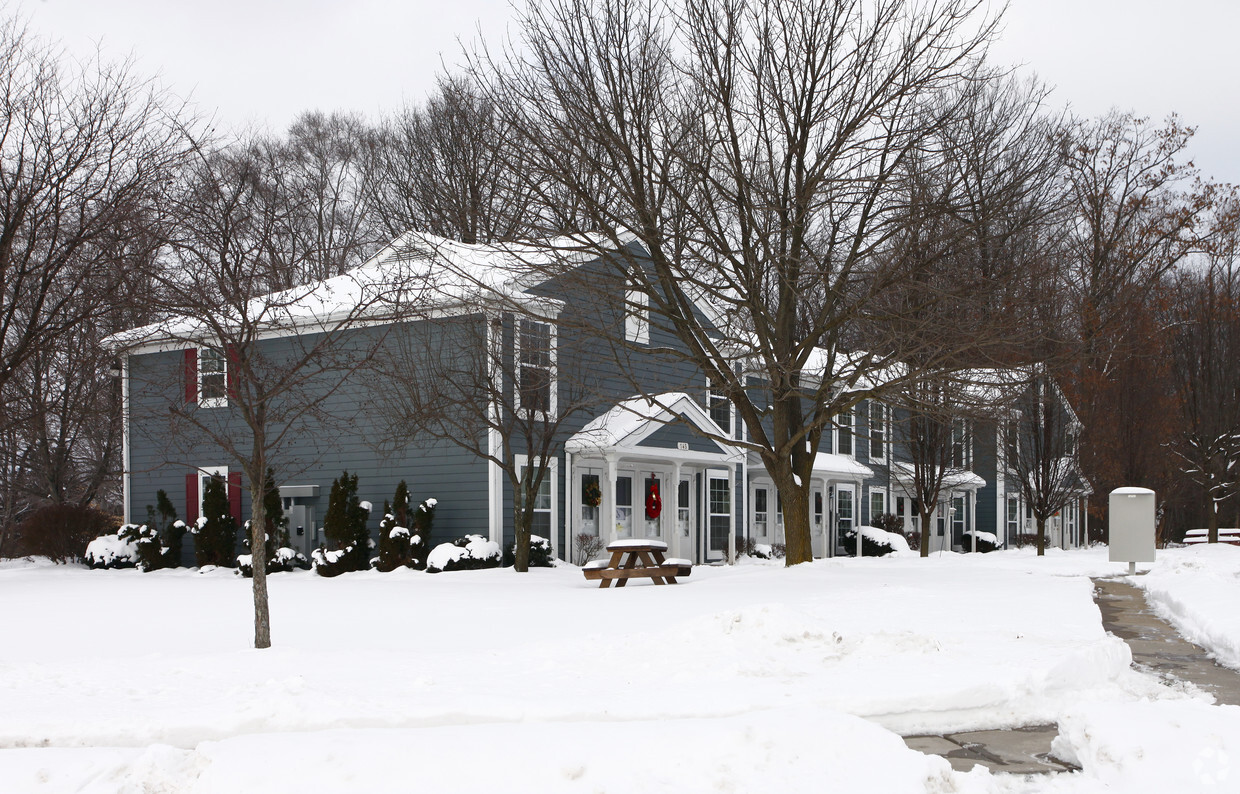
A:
(636, 317)
(552, 368)
(495, 448)
(885, 418)
(205, 473)
(210, 402)
(126, 468)
(552, 474)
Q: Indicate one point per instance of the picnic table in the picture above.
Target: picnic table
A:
(634, 558)
(1231, 536)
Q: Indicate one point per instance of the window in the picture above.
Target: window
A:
(1011, 439)
(543, 501)
(624, 504)
(962, 445)
(536, 367)
(958, 518)
(1069, 441)
(1013, 517)
(720, 408)
(818, 508)
(878, 430)
(637, 317)
(683, 506)
(212, 378)
(760, 511)
(844, 433)
(878, 506)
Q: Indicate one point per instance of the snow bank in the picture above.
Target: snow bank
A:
(1197, 590)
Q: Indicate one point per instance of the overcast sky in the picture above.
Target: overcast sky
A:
(263, 61)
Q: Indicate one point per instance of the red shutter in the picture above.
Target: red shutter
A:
(191, 498)
(232, 358)
(191, 379)
(234, 495)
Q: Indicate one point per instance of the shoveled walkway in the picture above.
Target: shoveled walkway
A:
(1156, 648)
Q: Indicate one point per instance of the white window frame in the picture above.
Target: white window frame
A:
(882, 496)
(553, 477)
(711, 396)
(636, 317)
(885, 424)
(205, 473)
(552, 370)
(203, 354)
(964, 427)
(838, 425)
(765, 513)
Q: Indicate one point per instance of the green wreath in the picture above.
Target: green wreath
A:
(591, 496)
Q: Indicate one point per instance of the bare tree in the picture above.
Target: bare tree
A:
(492, 379)
(1040, 447)
(233, 243)
(450, 167)
(85, 154)
(1204, 340)
(754, 151)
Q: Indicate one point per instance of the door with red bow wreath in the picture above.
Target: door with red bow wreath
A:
(654, 502)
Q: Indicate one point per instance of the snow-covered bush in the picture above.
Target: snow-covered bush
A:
(541, 553)
(280, 555)
(215, 531)
(400, 546)
(986, 541)
(463, 554)
(146, 544)
(344, 525)
(423, 518)
(111, 551)
(875, 542)
(285, 558)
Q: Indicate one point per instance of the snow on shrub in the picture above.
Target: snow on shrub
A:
(111, 551)
(400, 546)
(986, 541)
(345, 528)
(285, 558)
(875, 542)
(215, 531)
(541, 553)
(463, 554)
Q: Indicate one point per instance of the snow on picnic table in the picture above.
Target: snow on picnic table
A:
(752, 677)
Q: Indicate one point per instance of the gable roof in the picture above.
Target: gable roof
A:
(417, 272)
(631, 421)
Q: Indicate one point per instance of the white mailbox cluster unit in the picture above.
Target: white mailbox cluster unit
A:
(1130, 531)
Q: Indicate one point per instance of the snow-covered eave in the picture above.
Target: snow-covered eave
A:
(179, 332)
(953, 478)
(629, 421)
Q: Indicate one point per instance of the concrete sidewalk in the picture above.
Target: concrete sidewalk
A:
(1156, 648)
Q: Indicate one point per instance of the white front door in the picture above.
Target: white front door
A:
(686, 520)
(818, 521)
(845, 514)
(650, 509)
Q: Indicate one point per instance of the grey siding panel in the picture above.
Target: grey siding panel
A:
(668, 436)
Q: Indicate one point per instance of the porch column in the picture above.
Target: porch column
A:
(731, 513)
(828, 549)
(972, 497)
(569, 523)
(672, 498)
(609, 501)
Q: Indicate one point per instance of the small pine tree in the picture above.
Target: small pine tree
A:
(394, 533)
(171, 531)
(215, 539)
(345, 527)
(277, 522)
(420, 542)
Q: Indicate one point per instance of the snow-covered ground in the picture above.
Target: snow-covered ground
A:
(750, 678)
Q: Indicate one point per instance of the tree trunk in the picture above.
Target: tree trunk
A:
(258, 560)
(1041, 536)
(926, 531)
(798, 545)
(1213, 532)
(521, 542)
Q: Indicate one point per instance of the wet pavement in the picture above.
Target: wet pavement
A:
(1156, 648)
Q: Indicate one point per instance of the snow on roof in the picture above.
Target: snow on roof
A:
(842, 465)
(417, 271)
(628, 419)
(952, 478)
